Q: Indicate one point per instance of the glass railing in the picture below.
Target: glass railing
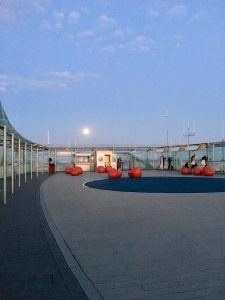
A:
(144, 159)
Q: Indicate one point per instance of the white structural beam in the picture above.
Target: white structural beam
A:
(25, 162)
(31, 161)
(4, 163)
(19, 162)
(12, 165)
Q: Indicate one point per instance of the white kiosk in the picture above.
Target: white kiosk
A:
(105, 158)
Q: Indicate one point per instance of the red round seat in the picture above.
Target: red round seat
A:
(113, 173)
(68, 169)
(79, 169)
(74, 172)
(119, 173)
(101, 169)
(207, 171)
(130, 173)
(108, 168)
(135, 173)
(197, 171)
(185, 171)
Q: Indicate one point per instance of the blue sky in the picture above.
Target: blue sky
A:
(116, 67)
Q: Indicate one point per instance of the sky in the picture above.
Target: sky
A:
(135, 72)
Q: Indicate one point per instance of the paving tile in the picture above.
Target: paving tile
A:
(142, 246)
(28, 269)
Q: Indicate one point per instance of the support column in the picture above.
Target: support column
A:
(37, 165)
(12, 166)
(42, 161)
(4, 163)
(25, 162)
(19, 162)
(31, 162)
(55, 160)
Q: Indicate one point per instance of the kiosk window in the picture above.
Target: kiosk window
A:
(82, 159)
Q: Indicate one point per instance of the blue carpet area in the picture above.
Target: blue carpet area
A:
(161, 185)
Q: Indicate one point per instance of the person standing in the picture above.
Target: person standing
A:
(169, 162)
(119, 163)
(193, 161)
(204, 161)
(51, 166)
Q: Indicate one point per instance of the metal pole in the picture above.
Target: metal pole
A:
(55, 161)
(19, 162)
(25, 162)
(12, 165)
(37, 162)
(42, 161)
(31, 162)
(4, 163)
(167, 129)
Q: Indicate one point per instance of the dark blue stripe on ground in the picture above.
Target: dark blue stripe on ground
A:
(31, 264)
(161, 184)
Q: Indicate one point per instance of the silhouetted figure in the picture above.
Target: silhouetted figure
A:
(186, 165)
(51, 166)
(119, 163)
(193, 161)
(204, 161)
(169, 163)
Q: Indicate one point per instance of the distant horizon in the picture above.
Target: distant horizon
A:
(61, 145)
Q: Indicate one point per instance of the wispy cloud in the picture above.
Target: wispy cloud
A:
(58, 26)
(177, 10)
(16, 83)
(38, 84)
(153, 12)
(14, 11)
(3, 82)
(66, 75)
(119, 33)
(140, 44)
(107, 20)
(58, 15)
(45, 25)
(38, 7)
(85, 33)
(178, 40)
(109, 49)
(59, 18)
(197, 16)
(7, 15)
(48, 81)
(74, 16)
(140, 39)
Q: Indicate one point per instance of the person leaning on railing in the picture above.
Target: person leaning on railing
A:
(204, 161)
(51, 166)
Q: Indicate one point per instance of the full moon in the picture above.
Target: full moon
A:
(86, 131)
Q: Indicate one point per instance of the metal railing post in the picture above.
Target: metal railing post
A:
(31, 162)
(25, 162)
(55, 156)
(12, 165)
(19, 162)
(37, 162)
(42, 161)
(4, 163)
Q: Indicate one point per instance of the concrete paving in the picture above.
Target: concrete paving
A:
(138, 245)
(31, 264)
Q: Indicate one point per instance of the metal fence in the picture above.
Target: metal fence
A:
(20, 160)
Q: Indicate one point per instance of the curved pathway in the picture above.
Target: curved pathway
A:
(139, 245)
(31, 264)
